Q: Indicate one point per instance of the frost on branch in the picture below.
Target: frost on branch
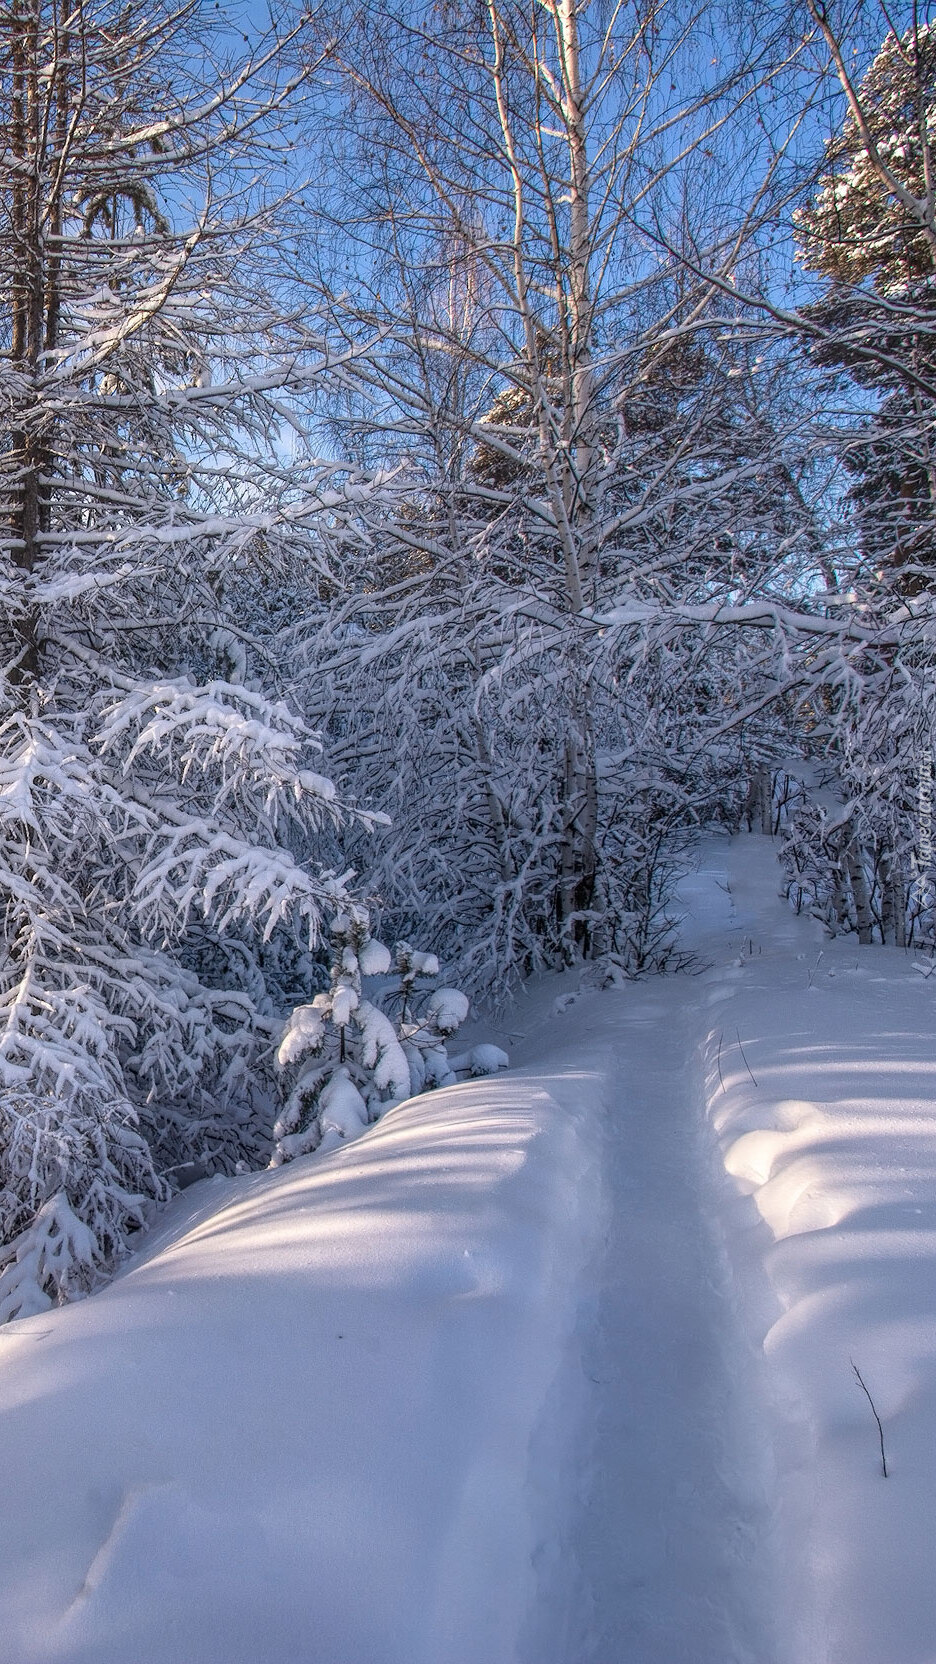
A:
(349, 1060)
(133, 1002)
(168, 836)
(76, 1180)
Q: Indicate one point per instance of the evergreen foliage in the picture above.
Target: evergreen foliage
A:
(348, 1061)
(160, 808)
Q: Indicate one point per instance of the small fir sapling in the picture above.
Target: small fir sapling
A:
(349, 1061)
(423, 1036)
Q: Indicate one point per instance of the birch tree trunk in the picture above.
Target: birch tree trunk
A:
(861, 890)
(531, 392)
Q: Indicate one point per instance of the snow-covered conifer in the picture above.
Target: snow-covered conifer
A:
(162, 819)
(347, 1059)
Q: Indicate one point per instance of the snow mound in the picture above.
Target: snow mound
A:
(299, 1429)
(821, 1086)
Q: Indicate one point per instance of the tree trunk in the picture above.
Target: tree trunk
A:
(34, 301)
(841, 915)
(578, 848)
(864, 917)
(893, 901)
(579, 438)
(758, 807)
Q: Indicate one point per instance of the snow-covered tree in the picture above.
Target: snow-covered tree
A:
(347, 1059)
(872, 213)
(869, 230)
(574, 428)
(163, 824)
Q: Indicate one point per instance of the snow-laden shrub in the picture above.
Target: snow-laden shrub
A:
(76, 1181)
(348, 1060)
(135, 846)
(851, 860)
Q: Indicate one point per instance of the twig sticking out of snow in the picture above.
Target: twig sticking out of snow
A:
(874, 1413)
(746, 1063)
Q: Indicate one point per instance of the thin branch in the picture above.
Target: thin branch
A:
(877, 1418)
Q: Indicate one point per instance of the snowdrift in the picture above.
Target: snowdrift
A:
(820, 1082)
(300, 1428)
(371, 1408)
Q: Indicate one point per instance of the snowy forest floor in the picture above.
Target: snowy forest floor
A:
(550, 1369)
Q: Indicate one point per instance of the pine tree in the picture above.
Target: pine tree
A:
(872, 214)
(870, 230)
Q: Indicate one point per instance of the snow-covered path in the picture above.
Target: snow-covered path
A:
(667, 1536)
(769, 1157)
(669, 1525)
(551, 1369)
